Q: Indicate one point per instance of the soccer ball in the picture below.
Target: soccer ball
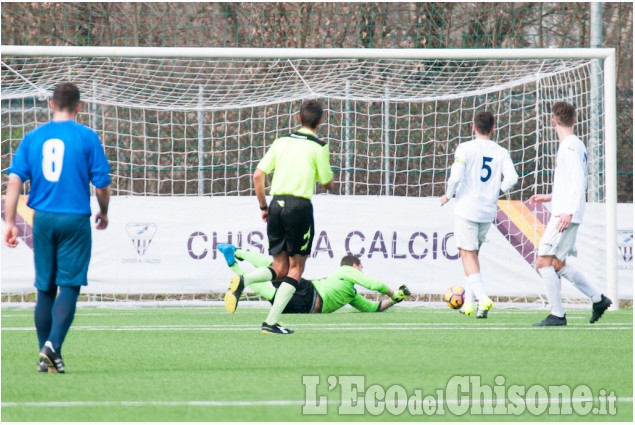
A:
(454, 297)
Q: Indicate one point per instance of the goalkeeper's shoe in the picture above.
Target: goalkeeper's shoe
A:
(467, 309)
(400, 294)
(275, 329)
(483, 308)
(236, 286)
(51, 358)
(228, 252)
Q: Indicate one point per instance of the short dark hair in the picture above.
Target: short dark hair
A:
(310, 113)
(66, 97)
(350, 260)
(484, 122)
(563, 113)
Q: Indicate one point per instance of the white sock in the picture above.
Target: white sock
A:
(552, 286)
(469, 294)
(475, 284)
(580, 281)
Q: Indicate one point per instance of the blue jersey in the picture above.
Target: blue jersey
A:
(61, 158)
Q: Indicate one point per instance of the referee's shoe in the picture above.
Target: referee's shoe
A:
(275, 329)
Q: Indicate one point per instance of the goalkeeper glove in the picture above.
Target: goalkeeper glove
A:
(401, 294)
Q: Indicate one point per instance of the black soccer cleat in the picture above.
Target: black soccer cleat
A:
(236, 286)
(599, 308)
(552, 320)
(43, 367)
(275, 329)
(52, 359)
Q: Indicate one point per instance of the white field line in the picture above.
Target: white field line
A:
(256, 403)
(330, 327)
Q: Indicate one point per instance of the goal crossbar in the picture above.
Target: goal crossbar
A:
(297, 53)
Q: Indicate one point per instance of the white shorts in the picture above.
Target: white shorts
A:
(558, 244)
(469, 235)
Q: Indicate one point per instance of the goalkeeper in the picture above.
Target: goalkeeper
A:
(323, 295)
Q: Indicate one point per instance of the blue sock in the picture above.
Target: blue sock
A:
(43, 314)
(63, 314)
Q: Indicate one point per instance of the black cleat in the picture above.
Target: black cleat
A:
(51, 358)
(275, 329)
(599, 308)
(552, 320)
(236, 286)
(43, 367)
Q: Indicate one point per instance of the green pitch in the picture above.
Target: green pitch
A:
(201, 364)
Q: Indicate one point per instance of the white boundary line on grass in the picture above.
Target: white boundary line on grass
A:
(331, 327)
(247, 403)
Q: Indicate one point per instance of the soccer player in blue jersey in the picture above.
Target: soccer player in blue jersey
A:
(60, 159)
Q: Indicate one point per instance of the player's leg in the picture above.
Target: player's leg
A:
(547, 251)
(469, 236)
(43, 320)
(296, 218)
(474, 280)
(286, 290)
(73, 257)
(231, 253)
(44, 255)
(567, 244)
(254, 258)
(277, 247)
(63, 315)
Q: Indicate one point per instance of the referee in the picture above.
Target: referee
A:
(299, 160)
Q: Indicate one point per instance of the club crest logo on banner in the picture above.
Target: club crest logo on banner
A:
(625, 247)
(141, 235)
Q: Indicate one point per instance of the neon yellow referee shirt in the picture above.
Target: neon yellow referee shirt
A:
(299, 160)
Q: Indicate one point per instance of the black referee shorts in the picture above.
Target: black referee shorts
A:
(290, 226)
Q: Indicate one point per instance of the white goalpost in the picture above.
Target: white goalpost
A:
(194, 122)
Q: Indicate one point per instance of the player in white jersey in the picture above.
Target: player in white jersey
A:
(475, 179)
(568, 199)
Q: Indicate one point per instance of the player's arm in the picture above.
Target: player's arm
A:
(367, 282)
(324, 171)
(539, 199)
(510, 176)
(362, 304)
(19, 172)
(266, 165)
(103, 199)
(259, 186)
(366, 306)
(100, 177)
(573, 169)
(457, 171)
(14, 187)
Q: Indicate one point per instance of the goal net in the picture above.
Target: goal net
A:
(195, 122)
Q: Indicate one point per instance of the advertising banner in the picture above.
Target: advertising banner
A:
(169, 245)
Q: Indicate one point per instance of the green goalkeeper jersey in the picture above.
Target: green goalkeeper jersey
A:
(338, 289)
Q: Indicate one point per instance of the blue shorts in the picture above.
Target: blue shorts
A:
(61, 249)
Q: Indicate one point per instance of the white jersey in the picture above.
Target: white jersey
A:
(568, 195)
(475, 177)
